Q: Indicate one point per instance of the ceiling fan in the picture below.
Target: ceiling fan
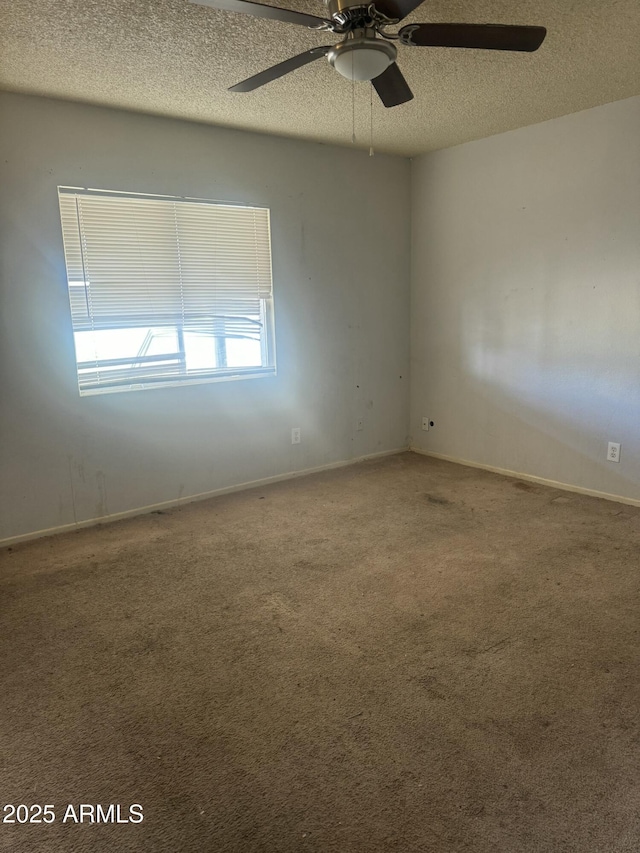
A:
(366, 51)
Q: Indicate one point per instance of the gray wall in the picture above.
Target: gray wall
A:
(526, 300)
(340, 239)
(525, 312)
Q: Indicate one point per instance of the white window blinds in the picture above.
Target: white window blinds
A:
(180, 271)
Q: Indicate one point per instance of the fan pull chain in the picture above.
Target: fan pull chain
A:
(353, 104)
(371, 121)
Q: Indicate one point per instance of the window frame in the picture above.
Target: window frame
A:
(266, 339)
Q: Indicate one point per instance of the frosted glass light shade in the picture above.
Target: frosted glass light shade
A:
(362, 59)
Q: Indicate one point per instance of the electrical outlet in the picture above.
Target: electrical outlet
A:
(613, 451)
(427, 424)
(295, 435)
(359, 424)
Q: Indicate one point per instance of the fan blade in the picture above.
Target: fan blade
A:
(483, 36)
(397, 9)
(262, 11)
(392, 88)
(280, 69)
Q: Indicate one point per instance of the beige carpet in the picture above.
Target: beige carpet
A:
(404, 655)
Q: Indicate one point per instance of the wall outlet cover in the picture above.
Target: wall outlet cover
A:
(613, 451)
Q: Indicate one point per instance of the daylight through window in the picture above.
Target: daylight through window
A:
(166, 290)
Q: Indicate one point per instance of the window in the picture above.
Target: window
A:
(165, 290)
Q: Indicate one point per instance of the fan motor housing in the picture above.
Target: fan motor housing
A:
(336, 6)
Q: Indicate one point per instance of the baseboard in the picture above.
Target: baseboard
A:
(542, 481)
(203, 496)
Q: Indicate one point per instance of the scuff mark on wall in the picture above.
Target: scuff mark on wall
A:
(102, 507)
(73, 496)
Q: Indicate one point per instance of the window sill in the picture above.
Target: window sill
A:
(227, 376)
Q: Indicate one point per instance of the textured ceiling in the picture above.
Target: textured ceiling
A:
(170, 57)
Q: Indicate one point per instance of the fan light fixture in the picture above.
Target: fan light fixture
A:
(366, 51)
(362, 58)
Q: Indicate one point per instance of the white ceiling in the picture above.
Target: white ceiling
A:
(172, 58)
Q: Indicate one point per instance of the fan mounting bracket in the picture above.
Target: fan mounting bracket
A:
(405, 34)
(349, 17)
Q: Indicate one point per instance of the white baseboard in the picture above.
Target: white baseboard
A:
(554, 484)
(203, 496)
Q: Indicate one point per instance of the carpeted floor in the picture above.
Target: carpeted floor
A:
(405, 655)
